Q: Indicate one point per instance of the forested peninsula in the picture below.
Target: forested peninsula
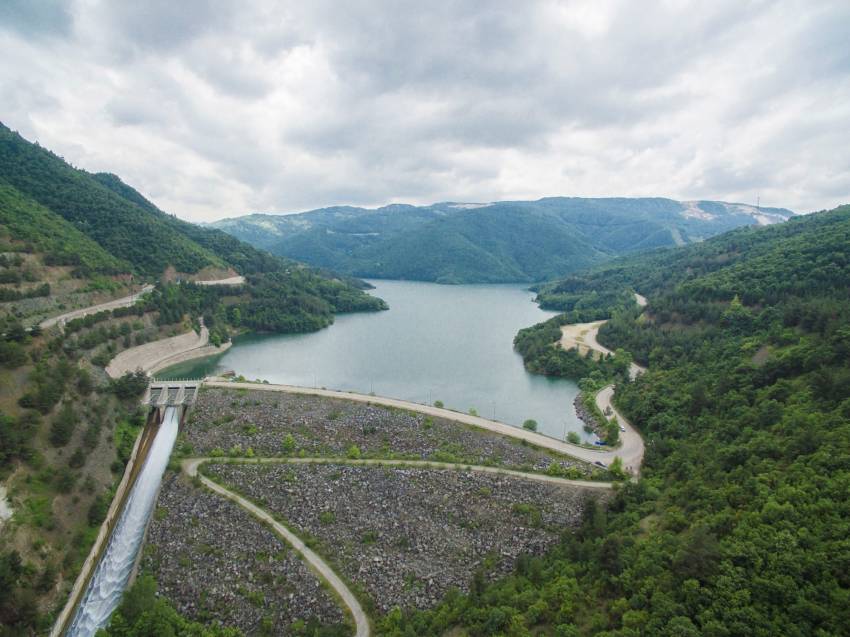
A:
(740, 521)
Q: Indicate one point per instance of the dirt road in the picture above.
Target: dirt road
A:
(233, 280)
(583, 337)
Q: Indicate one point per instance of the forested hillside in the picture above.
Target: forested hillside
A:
(740, 522)
(100, 225)
(500, 242)
(68, 240)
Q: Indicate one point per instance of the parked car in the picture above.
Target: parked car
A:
(622, 428)
(599, 463)
(601, 443)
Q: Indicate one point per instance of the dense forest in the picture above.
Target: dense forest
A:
(101, 226)
(501, 242)
(740, 522)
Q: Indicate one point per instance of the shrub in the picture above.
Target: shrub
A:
(63, 425)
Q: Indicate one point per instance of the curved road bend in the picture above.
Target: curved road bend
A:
(126, 301)
(631, 443)
(575, 451)
(319, 565)
(583, 336)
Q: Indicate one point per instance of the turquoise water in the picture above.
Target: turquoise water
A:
(452, 343)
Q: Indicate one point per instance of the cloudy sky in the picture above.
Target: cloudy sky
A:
(215, 108)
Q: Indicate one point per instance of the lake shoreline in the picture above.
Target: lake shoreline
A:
(436, 343)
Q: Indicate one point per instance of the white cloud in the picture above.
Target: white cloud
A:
(216, 108)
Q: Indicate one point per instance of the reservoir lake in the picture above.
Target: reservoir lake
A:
(452, 343)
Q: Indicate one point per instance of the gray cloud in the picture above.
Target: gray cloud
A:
(215, 107)
(35, 18)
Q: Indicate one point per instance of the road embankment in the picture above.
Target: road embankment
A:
(157, 355)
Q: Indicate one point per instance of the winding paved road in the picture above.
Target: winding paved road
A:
(631, 444)
(361, 622)
(126, 301)
(582, 336)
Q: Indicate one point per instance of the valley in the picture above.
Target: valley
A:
(395, 502)
(450, 319)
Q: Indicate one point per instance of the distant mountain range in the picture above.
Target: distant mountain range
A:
(511, 241)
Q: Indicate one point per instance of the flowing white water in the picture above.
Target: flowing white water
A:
(113, 571)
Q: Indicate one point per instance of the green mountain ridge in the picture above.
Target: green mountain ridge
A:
(518, 241)
(113, 229)
(739, 522)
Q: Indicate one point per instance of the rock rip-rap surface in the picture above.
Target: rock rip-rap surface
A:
(218, 564)
(272, 423)
(408, 535)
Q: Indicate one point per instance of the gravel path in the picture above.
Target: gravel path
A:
(233, 280)
(583, 337)
(545, 442)
(279, 423)
(218, 564)
(317, 563)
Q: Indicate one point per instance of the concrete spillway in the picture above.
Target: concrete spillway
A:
(113, 571)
